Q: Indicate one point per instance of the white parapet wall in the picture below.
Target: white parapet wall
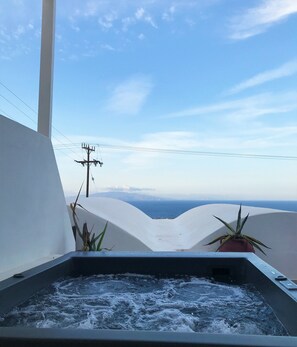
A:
(34, 223)
(130, 229)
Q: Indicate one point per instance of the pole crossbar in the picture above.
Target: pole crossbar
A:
(88, 163)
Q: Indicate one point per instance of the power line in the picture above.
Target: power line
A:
(199, 153)
(4, 113)
(147, 149)
(17, 97)
(33, 120)
(188, 152)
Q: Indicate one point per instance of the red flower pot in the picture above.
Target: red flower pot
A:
(237, 245)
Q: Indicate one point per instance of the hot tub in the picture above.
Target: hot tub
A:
(237, 268)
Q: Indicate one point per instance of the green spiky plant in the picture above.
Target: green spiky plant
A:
(90, 241)
(237, 234)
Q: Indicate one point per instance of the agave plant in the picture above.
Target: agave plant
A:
(90, 241)
(237, 234)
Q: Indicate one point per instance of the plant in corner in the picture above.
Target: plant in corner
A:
(234, 240)
(90, 241)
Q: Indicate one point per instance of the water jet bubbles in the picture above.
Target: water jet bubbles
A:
(144, 302)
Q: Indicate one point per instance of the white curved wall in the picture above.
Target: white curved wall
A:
(277, 229)
(130, 229)
(34, 222)
(116, 238)
(120, 214)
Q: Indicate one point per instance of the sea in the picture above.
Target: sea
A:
(169, 209)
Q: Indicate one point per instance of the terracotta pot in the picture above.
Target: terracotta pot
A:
(237, 245)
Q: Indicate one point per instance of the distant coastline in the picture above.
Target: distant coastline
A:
(158, 207)
(127, 196)
(169, 209)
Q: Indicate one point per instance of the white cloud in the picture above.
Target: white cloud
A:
(128, 189)
(129, 96)
(148, 19)
(168, 140)
(107, 47)
(127, 22)
(131, 12)
(139, 13)
(245, 108)
(8, 34)
(107, 21)
(75, 28)
(261, 140)
(153, 142)
(257, 20)
(168, 15)
(18, 20)
(284, 70)
(92, 8)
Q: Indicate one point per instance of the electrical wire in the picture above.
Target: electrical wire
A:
(187, 152)
(9, 116)
(2, 84)
(200, 153)
(24, 113)
(71, 146)
(33, 120)
(4, 113)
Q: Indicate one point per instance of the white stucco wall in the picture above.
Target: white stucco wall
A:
(34, 222)
(277, 229)
(130, 229)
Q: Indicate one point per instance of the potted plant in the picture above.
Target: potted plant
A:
(234, 240)
(90, 241)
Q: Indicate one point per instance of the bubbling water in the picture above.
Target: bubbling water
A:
(143, 302)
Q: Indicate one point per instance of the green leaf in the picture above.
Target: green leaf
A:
(101, 237)
(231, 233)
(257, 241)
(75, 203)
(97, 237)
(79, 205)
(243, 223)
(238, 220)
(215, 240)
(74, 215)
(227, 238)
(254, 244)
(227, 225)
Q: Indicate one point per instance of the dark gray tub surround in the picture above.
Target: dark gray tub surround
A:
(279, 292)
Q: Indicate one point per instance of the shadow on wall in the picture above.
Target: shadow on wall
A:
(115, 237)
(277, 230)
(131, 230)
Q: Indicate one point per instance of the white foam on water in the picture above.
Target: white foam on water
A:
(143, 302)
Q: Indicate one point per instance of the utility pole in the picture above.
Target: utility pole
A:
(88, 162)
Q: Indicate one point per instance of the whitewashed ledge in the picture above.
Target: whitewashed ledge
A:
(129, 229)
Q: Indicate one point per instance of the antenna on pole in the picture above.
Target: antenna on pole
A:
(88, 163)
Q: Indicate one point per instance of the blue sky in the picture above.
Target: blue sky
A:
(213, 76)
